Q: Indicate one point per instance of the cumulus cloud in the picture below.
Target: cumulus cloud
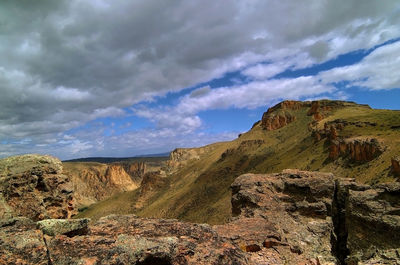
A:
(64, 63)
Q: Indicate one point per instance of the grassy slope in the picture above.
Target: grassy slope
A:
(200, 191)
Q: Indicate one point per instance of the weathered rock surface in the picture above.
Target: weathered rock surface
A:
(69, 227)
(135, 170)
(120, 240)
(21, 242)
(358, 150)
(331, 129)
(372, 222)
(289, 105)
(34, 186)
(299, 217)
(283, 218)
(280, 115)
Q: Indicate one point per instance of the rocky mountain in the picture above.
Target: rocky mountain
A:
(344, 138)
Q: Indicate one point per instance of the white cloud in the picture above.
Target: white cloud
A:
(64, 63)
(183, 116)
(378, 70)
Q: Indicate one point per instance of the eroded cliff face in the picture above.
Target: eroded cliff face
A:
(274, 121)
(279, 115)
(282, 114)
(35, 186)
(358, 150)
(95, 181)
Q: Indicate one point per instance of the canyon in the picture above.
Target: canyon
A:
(223, 203)
(293, 217)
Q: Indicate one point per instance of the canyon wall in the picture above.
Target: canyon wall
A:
(95, 181)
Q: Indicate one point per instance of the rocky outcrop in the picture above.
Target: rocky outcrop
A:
(289, 105)
(68, 227)
(281, 115)
(274, 121)
(321, 109)
(117, 176)
(331, 129)
(372, 222)
(120, 240)
(357, 150)
(181, 156)
(396, 166)
(135, 170)
(34, 186)
(299, 217)
(283, 218)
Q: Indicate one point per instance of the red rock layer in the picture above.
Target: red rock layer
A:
(358, 150)
(272, 121)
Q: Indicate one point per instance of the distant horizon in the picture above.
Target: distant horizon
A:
(104, 78)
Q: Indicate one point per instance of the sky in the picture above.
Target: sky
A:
(120, 78)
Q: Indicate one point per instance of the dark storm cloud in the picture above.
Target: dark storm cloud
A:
(63, 63)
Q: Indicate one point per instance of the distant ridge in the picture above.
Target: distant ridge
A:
(106, 160)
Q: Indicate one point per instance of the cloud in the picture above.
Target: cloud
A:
(376, 71)
(183, 116)
(64, 63)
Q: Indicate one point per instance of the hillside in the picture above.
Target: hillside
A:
(345, 138)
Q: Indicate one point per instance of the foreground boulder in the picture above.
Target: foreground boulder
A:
(372, 222)
(283, 218)
(34, 186)
(299, 217)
